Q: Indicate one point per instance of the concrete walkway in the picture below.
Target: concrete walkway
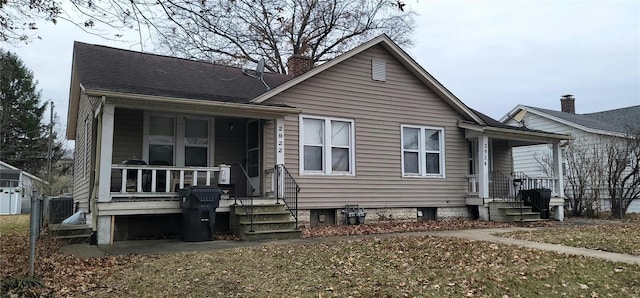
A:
(176, 246)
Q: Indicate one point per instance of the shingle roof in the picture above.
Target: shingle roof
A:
(495, 123)
(105, 68)
(618, 120)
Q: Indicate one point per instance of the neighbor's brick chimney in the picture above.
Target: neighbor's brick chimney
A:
(298, 64)
(567, 102)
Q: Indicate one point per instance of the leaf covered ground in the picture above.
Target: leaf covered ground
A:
(402, 266)
(620, 238)
(424, 266)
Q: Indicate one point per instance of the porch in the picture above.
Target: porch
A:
(145, 154)
(500, 193)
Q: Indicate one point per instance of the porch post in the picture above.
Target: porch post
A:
(559, 179)
(279, 158)
(106, 151)
(483, 175)
(279, 133)
(483, 167)
(104, 176)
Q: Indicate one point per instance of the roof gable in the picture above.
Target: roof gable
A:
(611, 122)
(397, 53)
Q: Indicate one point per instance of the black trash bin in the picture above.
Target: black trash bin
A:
(540, 199)
(199, 205)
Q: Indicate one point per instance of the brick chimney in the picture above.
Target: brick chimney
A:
(567, 102)
(298, 64)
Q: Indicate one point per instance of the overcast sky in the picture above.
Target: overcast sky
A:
(492, 55)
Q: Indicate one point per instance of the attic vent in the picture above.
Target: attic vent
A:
(378, 70)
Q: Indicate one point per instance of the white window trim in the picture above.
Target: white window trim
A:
(326, 147)
(422, 171)
(179, 136)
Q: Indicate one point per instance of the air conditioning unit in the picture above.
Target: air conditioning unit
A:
(58, 209)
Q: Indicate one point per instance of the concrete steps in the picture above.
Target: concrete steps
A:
(77, 233)
(270, 221)
(501, 211)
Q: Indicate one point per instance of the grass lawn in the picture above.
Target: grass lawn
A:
(398, 266)
(12, 224)
(620, 238)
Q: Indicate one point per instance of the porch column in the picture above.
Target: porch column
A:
(104, 176)
(559, 179)
(483, 167)
(279, 158)
(106, 152)
(279, 133)
(483, 175)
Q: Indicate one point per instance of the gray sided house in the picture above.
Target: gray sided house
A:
(592, 134)
(370, 128)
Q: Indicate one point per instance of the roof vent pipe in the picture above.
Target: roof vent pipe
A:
(567, 103)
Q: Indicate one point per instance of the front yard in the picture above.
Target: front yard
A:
(621, 237)
(423, 266)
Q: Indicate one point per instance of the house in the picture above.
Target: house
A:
(592, 132)
(370, 128)
(16, 189)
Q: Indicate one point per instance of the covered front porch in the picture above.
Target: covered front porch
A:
(500, 193)
(148, 149)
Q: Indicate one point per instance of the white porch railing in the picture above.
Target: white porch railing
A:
(526, 182)
(474, 184)
(164, 179)
(540, 182)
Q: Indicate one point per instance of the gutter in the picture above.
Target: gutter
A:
(485, 129)
(110, 95)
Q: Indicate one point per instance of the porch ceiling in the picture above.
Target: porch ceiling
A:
(194, 106)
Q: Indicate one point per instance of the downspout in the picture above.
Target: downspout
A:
(96, 182)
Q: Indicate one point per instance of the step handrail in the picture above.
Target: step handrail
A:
(247, 209)
(508, 189)
(290, 190)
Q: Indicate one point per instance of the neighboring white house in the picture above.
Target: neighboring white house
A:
(589, 129)
(16, 189)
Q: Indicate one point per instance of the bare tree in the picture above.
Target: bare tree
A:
(583, 177)
(247, 30)
(623, 172)
(226, 31)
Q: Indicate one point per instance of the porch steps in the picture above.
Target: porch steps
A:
(270, 221)
(501, 211)
(72, 233)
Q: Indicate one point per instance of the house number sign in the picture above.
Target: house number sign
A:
(485, 154)
(280, 140)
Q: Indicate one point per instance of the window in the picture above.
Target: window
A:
(196, 142)
(177, 140)
(161, 140)
(326, 145)
(422, 151)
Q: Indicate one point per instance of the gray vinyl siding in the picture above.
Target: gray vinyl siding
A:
(501, 156)
(378, 110)
(530, 159)
(83, 166)
(127, 135)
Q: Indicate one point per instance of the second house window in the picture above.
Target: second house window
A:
(326, 145)
(422, 151)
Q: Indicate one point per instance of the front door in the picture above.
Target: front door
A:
(254, 139)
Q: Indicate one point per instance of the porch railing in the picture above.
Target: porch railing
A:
(536, 182)
(162, 179)
(286, 189)
(473, 185)
(508, 189)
